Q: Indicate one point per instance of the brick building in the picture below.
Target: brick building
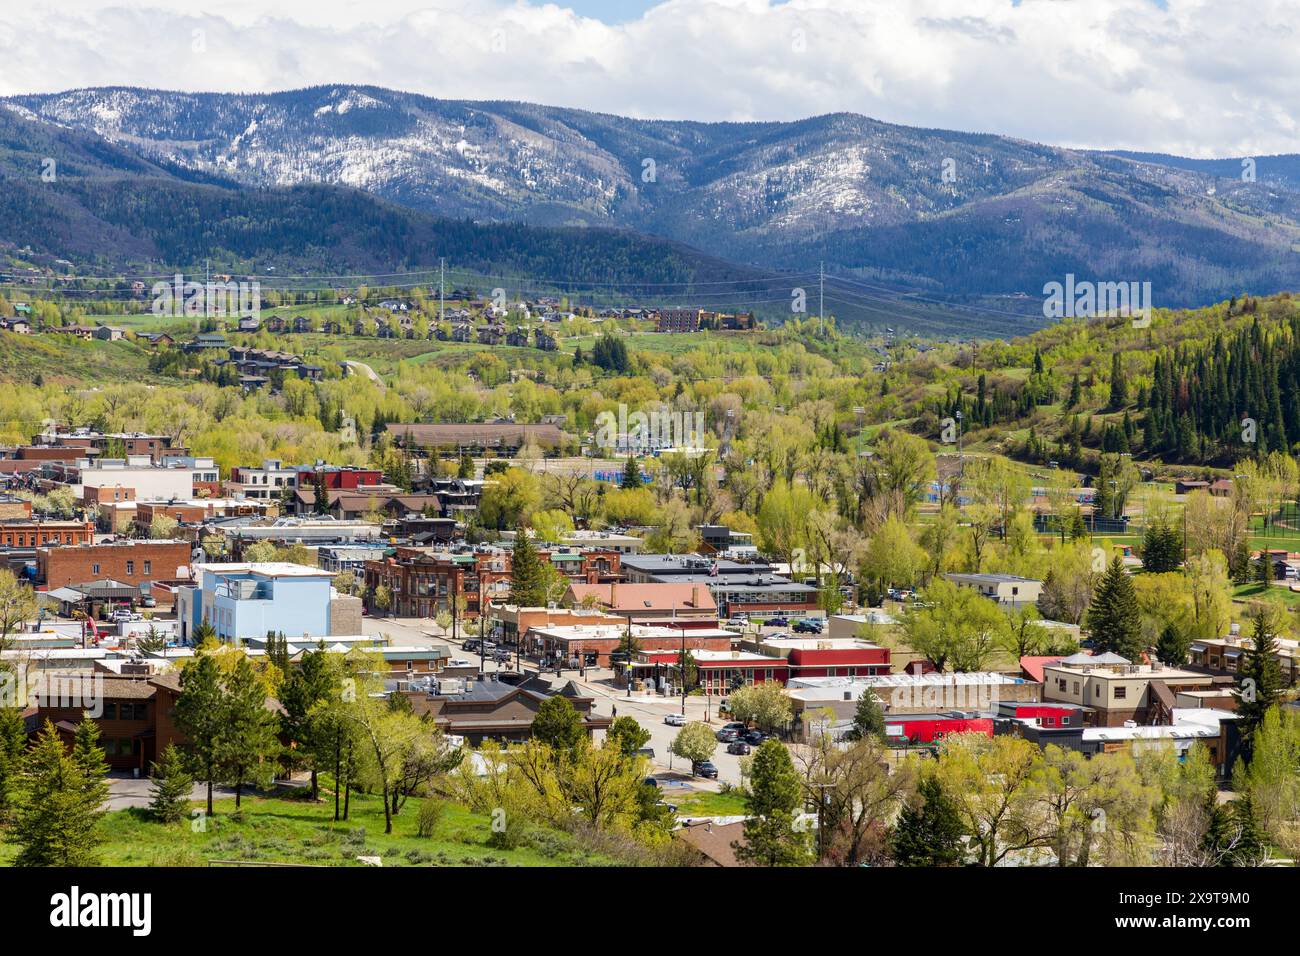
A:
(34, 532)
(130, 562)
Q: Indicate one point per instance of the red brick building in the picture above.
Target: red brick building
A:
(32, 533)
(131, 562)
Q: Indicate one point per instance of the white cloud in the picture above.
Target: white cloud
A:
(1198, 77)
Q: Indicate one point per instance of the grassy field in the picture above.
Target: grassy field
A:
(298, 831)
(57, 358)
(706, 803)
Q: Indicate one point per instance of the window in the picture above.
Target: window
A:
(1121, 693)
(94, 569)
(110, 711)
(148, 567)
(130, 567)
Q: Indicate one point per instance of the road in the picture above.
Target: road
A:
(598, 683)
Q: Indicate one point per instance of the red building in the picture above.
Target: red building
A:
(338, 476)
(929, 728)
(830, 657)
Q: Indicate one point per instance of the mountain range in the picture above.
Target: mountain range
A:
(918, 215)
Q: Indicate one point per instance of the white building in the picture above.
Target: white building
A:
(170, 480)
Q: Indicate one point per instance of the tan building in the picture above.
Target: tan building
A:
(1112, 691)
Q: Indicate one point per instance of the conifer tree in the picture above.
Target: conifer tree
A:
(1261, 681)
(172, 784)
(527, 576)
(1114, 619)
(1173, 647)
(929, 831)
(631, 474)
(59, 805)
(774, 798)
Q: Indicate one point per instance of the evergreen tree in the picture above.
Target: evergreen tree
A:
(247, 745)
(1261, 682)
(199, 717)
(527, 576)
(929, 831)
(774, 798)
(1114, 619)
(631, 474)
(868, 719)
(172, 784)
(1173, 646)
(1118, 382)
(13, 742)
(59, 806)
(86, 751)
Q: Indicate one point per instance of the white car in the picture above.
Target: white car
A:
(675, 720)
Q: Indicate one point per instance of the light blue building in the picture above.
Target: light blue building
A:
(243, 601)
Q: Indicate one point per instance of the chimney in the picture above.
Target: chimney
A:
(613, 602)
(695, 596)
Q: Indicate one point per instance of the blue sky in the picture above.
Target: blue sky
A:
(610, 11)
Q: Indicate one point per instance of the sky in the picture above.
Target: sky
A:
(1199, 78)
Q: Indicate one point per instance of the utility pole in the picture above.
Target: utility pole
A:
(821, 290)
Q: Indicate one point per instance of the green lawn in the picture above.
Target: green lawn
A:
(298, 831)
(706, 803)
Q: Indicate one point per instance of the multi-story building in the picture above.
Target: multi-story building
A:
(250, 600)
(751, 588)
(37, 532)
(1113, 692)
(1008, 590)
(171, 478)
(128, 562)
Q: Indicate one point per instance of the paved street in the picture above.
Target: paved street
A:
(649, 711)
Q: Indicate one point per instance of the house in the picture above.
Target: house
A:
(546, 341)
(714, 843)
(501, 438)
(1008, 590)
(490, 709)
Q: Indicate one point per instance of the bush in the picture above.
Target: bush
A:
(430, 815)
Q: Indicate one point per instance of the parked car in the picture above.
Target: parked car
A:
(675, 720)
(148, 601)
(727, 736)
(738, 747)
(705, 769)
(735, 725)
(777, 622)
(472, 644)
(755, 737)
(808, 626)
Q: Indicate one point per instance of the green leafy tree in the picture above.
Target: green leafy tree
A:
(247, 745)
(13, 742)
(559, 725)
(631, 474)
(695, 742)
(771, 805)
(627, 735)
(1261, 682)
(1173, 647)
